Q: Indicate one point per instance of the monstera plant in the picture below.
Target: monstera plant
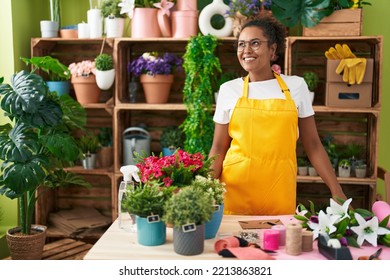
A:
(306, 12)
(39, 144)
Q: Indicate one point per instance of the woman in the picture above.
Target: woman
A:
(257, 122)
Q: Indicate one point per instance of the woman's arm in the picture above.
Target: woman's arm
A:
(221, 144)
(318, 156)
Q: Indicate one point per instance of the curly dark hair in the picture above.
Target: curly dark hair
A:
(273, 30)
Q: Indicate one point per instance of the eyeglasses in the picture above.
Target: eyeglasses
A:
(254, 44)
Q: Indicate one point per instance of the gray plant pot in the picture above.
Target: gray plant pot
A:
(49, 29)
(89, 162)
(189, 243)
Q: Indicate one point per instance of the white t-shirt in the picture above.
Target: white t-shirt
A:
(231, 91)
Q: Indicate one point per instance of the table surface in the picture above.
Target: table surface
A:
(121, 244)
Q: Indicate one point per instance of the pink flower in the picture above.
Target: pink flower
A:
(83, 68)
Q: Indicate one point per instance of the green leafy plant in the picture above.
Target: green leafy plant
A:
(105, 136)
(214, 187)
(55, 11)
(172, 137)
(110, 8)
(104, 62)
(40, 144)
(189, 205)
(344, 163)
(146, 199)
(201, 66)
(301, 161)
(52, 66)
(89, 143)
(311, 79)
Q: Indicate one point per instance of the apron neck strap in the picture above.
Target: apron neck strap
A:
(281, 83)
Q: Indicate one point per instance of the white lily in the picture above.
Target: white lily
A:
(368, 230)
(325, 225)
(127, 6)
(339, 211)
(300, 213)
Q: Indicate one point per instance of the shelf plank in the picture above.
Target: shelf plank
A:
(350, 180)
(95, 171)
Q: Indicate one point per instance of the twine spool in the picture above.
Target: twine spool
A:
(293, 239)
(307, 241)
(282, 234)
(271, 239)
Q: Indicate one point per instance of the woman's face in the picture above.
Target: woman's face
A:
(253, 51)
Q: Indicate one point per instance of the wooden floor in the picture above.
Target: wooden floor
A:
(65, 249)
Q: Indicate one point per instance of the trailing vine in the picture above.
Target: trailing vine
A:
(202, 67)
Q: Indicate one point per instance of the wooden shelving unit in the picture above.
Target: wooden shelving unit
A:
(347, 125)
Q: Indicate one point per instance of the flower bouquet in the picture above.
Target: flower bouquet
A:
(84, 81)
(156, 74)
(152, 64)
(177, 170)
(343, 225)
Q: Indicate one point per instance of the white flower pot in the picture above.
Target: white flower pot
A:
(105, 79)
(344, 172)
(312, 171)
(49, 29)
(114, 27)
(302, 170)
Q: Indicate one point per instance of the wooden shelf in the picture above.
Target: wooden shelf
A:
(350, 180)
(96, 171)
(146, 106)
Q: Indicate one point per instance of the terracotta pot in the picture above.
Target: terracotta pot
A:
(145, 24)
(156, 88)
(86, 89)
(184, 24)
(69, 33)
(26, 247)
(105, 157)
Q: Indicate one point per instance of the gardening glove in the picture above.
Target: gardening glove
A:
(353, 68)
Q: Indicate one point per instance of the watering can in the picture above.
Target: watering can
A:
(135, 140)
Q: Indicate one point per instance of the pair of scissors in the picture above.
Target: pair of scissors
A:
(374, 256)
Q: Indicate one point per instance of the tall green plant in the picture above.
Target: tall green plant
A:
(40, 144)
(55, 11)
(201, 66)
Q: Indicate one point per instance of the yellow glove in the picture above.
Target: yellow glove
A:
(354, 69)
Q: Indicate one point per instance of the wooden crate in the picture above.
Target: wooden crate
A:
(127, 50)
(308, 54)
(345, 22)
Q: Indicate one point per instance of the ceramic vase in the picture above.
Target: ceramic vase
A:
(86, 89)
(145, 24)
(188, 243)
(156, 88)
(114, 27)
(184, 24)
(150, 233)
(212, 226)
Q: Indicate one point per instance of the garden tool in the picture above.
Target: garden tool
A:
(352, 67)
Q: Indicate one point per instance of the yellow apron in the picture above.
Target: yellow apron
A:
(260, 166)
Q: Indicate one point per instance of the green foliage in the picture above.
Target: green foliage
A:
(105, 136)
(301, 161)
(146, 199)
(189, 205)
(201, 66)
(306, 12)
(39, 144)
(55, 11)
(52, 66)
(354, 151)
(344, 163)
(311, 79)
(104, 62)
(172, 137)
(89, 143)
(214, 187)
(111, 8)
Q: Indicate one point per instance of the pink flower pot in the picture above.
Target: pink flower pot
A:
(187, 5)
(145, 24)
(184, 24)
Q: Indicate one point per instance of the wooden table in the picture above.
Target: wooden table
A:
(121, 244)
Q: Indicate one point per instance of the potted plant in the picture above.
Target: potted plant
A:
(84, 82)
(201, 66)
(58, 73)
(216, 189)
(311, 79)
(146, 202)
(187, 211)
(114, 20)
(302, 166)
(144, 18)
(89, 145)
(105, 153)
(49, 28)
(361, 170)
(172, 138)
(156, 74)
(241, 11)
(344, 168)
(354, 152)
(105, 72)
(35, 151)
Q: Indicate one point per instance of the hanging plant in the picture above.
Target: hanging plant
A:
(201, 67)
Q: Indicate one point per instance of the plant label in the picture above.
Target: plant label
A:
(188, 227)
(153, 218)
